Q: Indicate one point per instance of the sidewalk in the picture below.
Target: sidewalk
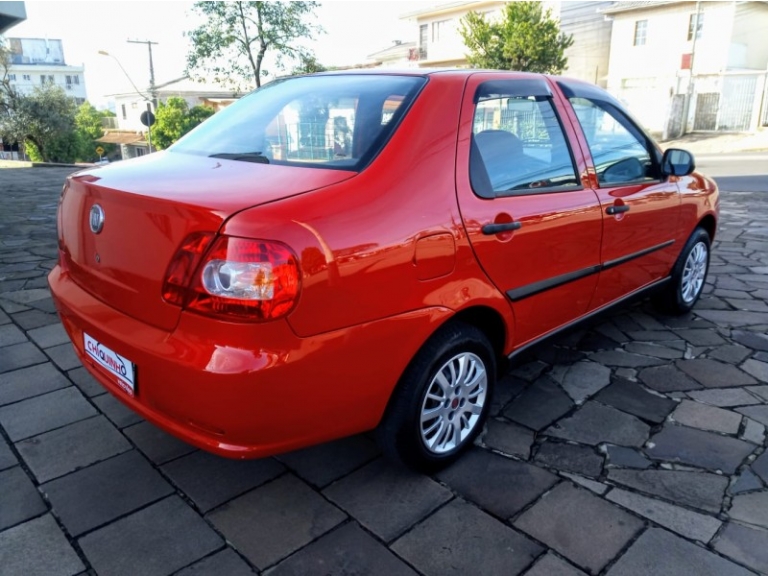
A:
(720, 143)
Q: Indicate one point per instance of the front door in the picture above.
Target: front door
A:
(640, 206)
(535, 229)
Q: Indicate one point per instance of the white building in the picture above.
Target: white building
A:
(39, 62)
(440, 42)
(399, 55)
(656, 47)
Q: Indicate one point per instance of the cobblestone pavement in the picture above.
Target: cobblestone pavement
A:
(633, 447)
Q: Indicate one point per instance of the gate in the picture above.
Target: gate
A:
(738, 100)
(706, 111)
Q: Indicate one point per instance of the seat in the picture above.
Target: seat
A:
(503, 159)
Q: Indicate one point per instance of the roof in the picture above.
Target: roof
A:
(639, 5)
(394, 50)
(189, 87)
(445, 7)
(121, 137)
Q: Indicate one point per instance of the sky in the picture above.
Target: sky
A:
(353, 30)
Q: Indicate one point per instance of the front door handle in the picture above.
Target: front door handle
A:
(491, 229)
(617, 209)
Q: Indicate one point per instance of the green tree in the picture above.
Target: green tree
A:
(308, 64)
(89, 126)
(526, 38)
(236, 36)
(45, 119)
(174, 118)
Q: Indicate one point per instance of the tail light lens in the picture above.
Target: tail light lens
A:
(238, 277)
(186, 260)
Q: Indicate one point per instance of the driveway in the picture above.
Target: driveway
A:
(632, 447)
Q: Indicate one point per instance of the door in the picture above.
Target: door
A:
(640, 206)
(535, 229)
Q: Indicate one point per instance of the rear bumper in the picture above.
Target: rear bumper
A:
(248, 390)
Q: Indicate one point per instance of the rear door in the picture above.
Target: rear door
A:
(640, 206)
(535, 229)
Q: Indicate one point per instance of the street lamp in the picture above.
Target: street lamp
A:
(139, 92)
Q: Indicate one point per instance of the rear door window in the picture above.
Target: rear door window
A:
(519, 146)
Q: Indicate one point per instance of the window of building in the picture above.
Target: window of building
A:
(695, 22)
(42, 79)
(439, 30)
(641, 31)
(50, 79)
(68, 82)
(26, 77)
(122, 107)
(76, 78)
(12, 77)
(423, 40)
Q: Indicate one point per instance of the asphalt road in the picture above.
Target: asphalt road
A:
(743, 171)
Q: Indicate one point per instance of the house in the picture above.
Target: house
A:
(690, 65)
(400, 55)
(440, 42)
(40, 62)
(127, 129)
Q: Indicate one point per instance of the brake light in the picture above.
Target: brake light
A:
(245, 278)
(178, 277)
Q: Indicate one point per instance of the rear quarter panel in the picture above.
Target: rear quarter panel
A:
(389, 240)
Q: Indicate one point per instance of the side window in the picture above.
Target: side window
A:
(518, 146)
(619, 151)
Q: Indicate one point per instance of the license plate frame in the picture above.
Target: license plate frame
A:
(123, 370)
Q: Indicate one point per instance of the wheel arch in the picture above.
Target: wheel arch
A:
(709, 224)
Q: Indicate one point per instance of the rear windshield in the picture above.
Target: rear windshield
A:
(322, 121)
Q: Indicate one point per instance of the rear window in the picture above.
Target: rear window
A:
(321, 121)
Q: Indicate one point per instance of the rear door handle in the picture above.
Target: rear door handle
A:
(617, 209)
(491, 229)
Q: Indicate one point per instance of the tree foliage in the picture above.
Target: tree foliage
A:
(526, 38)
(308, 64)
(89, 126)
(236, 36)
(174, 118)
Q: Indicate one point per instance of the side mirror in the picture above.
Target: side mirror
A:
(626, 170)
(676, 162)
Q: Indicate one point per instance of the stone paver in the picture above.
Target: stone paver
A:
(635, 416)
(751, 508)
(746, 545)
(64, 450)
(595, 423)
(37, 548)
(43, 413)
(483, 478)
(387, 499)
(28, 382)
(660, 552)
(97, 494)
(630, 397)
(684, 522)
(698, 448)
(19, 499)
(346, 550)
(696, 489)
(597, 530)
(459, 538)
(290, 515)
(156, 540)
(210, 480)
(703, 417)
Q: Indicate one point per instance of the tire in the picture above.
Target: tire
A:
(688, 276)
(451, 379)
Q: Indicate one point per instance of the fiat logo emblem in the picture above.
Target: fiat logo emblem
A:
(96, 218)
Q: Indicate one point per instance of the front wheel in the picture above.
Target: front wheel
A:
(688, 276)
(442, 400)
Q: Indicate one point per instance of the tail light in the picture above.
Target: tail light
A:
(238, 277)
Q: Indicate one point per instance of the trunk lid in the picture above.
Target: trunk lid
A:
(149, 206)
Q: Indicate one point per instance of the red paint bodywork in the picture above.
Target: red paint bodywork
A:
(387, 255)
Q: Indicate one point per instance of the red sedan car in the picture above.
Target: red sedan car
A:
(342, 252)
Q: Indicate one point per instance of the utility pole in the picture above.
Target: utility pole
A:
(689, 92)
(152, 89)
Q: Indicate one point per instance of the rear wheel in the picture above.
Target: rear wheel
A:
(442, 400)
(688, 276)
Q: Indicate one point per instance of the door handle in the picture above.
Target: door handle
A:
(617, 209)
(491, 229)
